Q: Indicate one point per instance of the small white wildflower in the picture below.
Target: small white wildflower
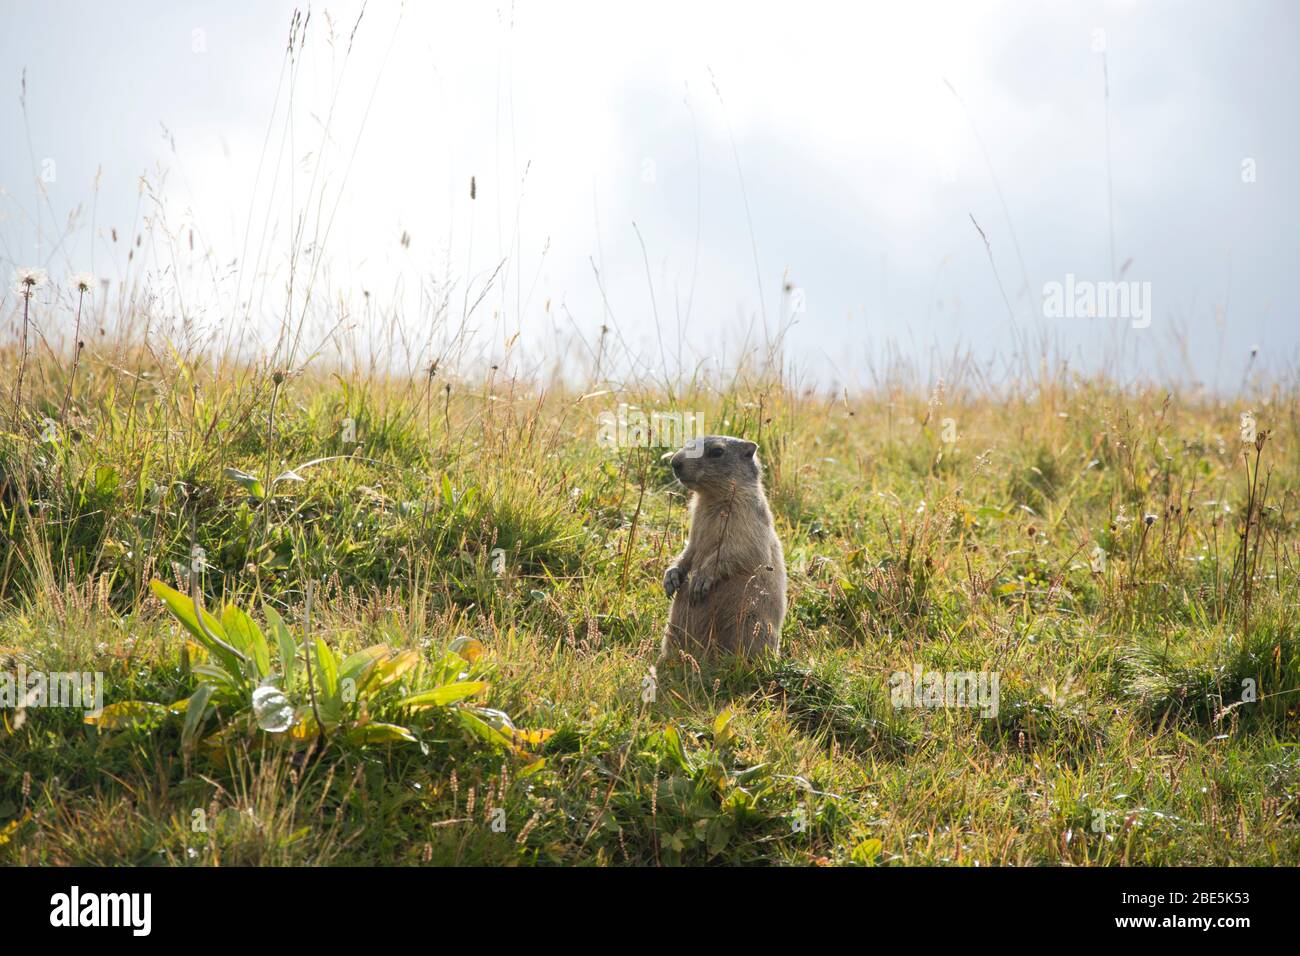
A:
(27, 279)
(82, 282)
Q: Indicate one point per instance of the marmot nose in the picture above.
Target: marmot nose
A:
(677, 463)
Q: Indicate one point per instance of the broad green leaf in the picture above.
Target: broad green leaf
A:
(675, 748)
(482, 729)
(379, 733)
(359, 666)
(284, 642)
(244, 635)
(327, 682)
(182, 609)
(195, 711)
(444, 695)
(450, 667)
(218, 676)
(249, 483)
(327, 669)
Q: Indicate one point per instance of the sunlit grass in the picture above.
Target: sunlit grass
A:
(1123, 735)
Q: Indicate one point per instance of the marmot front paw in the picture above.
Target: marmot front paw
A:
(700, 585)
(672, 580)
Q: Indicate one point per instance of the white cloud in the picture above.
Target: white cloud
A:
(861, 169)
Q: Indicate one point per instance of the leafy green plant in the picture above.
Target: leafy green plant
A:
(305, 691)
(708, 797)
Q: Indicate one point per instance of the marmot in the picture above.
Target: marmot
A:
(728, 585)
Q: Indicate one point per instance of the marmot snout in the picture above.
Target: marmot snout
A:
(728, 585)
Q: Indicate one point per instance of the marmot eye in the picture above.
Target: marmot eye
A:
(715, 451)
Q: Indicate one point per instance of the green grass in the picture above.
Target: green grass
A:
(1116, 741)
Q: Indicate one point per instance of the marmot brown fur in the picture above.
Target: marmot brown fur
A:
(728, 586)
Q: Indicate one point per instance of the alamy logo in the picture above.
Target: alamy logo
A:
(103, 909)
(29, 689)
(920, 688)
(1084, 299)
(633, 428)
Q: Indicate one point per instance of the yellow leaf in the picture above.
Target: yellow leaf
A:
(469, 648)
(359, 665)
(531, 738)
(218, 740)
(722, 733)
(866, 852)
(12, 827)
(128, 713)
(305, 731)
(395, 667)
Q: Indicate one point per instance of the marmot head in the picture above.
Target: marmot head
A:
(714, 464)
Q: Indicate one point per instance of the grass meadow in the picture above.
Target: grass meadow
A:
(453, 588)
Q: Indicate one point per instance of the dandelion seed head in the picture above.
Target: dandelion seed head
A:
(28, 279)
(83, 282)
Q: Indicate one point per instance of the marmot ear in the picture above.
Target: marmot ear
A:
(747, 450)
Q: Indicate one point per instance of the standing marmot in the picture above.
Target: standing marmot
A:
(728, 585)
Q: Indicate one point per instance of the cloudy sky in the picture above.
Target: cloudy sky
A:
(689, 174)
